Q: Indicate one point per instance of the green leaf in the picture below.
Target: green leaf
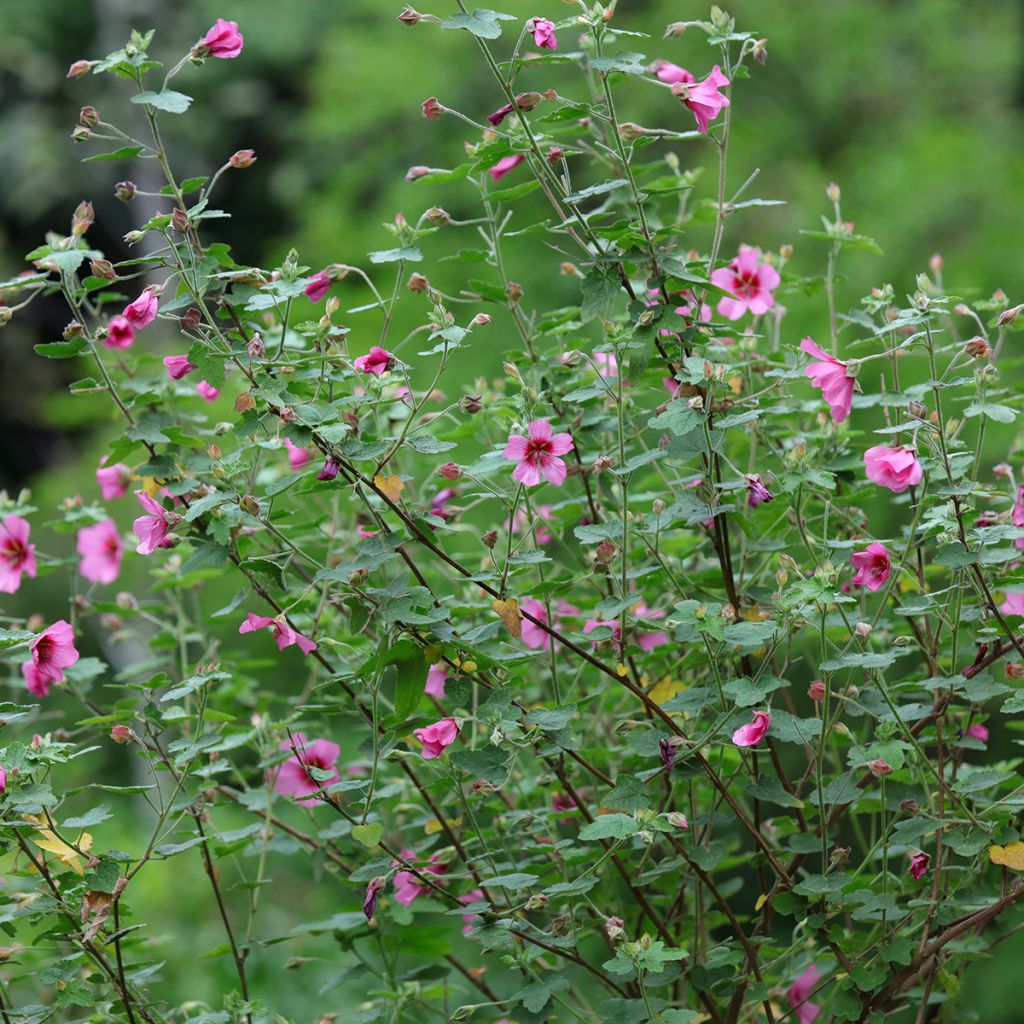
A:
(368, 835)
(627, 63)
(489, 763)
(596, 190)
(610, 826)
(408, 254)
(124, 153)
(90, 818)
(678, 419)
(515, 880)
(600, 288)
(62, 349)
(170, 101)
(482, 23)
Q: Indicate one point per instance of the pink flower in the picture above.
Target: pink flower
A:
(500, 114)
(436, 677)
(750, 282)
(100, 548)
(536, 637)
(506, 164)
(703, 98)
(284, 635)
(562, 802)
(831, 376)
(757, 493)
(329, 471)
(473, 896)
(606, 363)
(407, 886)
(377, 361)
(318, 285)
(896, 468)
(1017, 515)
(872, 565)
(293, 778)
(543, 33)
(53, 650)
(223, 40)
(142, 312)
(370, 899)
(978, 732)
(206, 390)
(113, 480)
(120, 333)
(17, 556)
(537, 454)
(439, 503)
(178, 366)
(362, 533)
(35, 681)
(751, 734)
(919, 865)
(1013, 605)
(152, 528)
(297, 457)
(437, 738)
(3, 780)
(800, 992)
(672, 73)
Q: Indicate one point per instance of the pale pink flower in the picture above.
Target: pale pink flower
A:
(437, 738)
(317, 287)
(1017, 515)
(537, 454)
(506, 164)
(206, 390)
(17, 556)
(142, 312)
(113, 480)
(919, 865)
(3, 780)
(896, 468)
(53, 650)
(152, 528)
(832, 377)
(120, 333)
(750, 282)
(606, 363)
(672, 73)
(1013, 605)
(534, 636)
(407, 886)
(377, 361)
(223, 40)
(297, 457)
(977, 731)
(439, 503)
(100, 549)
(703, 98)
(468, 920)
(799, 995)
(752, 733)
(178, 366)
(543, 33)
(284, 635)
(293, 777)
(436, 677)
(872, 565)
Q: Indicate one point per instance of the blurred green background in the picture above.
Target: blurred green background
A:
(913, 107)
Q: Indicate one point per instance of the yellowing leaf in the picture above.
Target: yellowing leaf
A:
(1009, 856)
(511, 615)
(434, 826)
(736, 384)
(761, 901)
(67, 855)
(390, 486)
(151, 485)
(665, 689)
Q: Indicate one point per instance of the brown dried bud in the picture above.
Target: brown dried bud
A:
(471, 404)
(125, 191)
(244, 402)
(759, 51)
(785, 251)
(978, 348)
(418, 283)
(249, 504)
(103, 268)
(910, 807)
(513, 291)
(490, 538)
(432, 110)
(917, 410)
(73, 330)
(438, 216)
(410, 16)
(605, 552)
(256, 348)
(1008, 316)
(602, 463)
(287, 414)
(840, 855)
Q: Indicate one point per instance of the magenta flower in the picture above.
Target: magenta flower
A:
(919, 865)
(562, 802)
(750, 282)
(53, 650)
(436, 677)
(543, 33)
(178, 366)
(872, 565)
(113, 480)
(36, 683)
(1017, 515)
(672, 73)
(752, 733)
(3, 780)
(152, 528)
(506, 164)
(329, 471)
(500, 114)
(223, 40)
(896, 468)
(757, 493)
(318, 285)
(537, 454)
(439, 503)
(293, 777)
(100, 549)
(799, 995)
(977, 731)
(297, 457)
(407, 886)
(667, 751)
(142, 312)
(284, 635)
(437, 738)
(120, 333)
(468, 920)
(1013, 605)
(703, 98)
(370, 899)
(206, 390)
(832, 377)
(17, 556)
(377, 361)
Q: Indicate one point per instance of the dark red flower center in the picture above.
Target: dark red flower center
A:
(537, 449)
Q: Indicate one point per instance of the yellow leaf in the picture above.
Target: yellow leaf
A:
(511, 615)
(761, 901)
(1010, 856)
(433, 826)
(390, 486)
(736, 384)
(67, 855)
(665, 689)
(151, 486)
(621, 669)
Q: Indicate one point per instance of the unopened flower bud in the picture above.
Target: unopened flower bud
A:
(759, 51)
(528, 100)
(82, 218)
(179, 220)
(816, 691)
(481, 319)
(79, 69)
(840, 855)
(978, 348)
(490, 538)
(471, 404)
(677, 820)
(438, 216)
(833, 192)
(657, 506)
(630, 130)
(450, 471)
(605, 552)
(910, 807)
(513, 291)
(1008, 316)
(917, 410)
(256, 348)
(80, 133)
(88, 117)
(432, 110)
(554, 154)
(935, 263)
(410, 16)
(103, 269)
(418, 171)
(73, 330)
(677, 28)
(122, 734)
(603, 462)
(614, 928)
(863, 630)
(418, 283)
(1015, 670)
(785, 251)
(537, 902)
(879, 768)
(242, 159)
(125, 191)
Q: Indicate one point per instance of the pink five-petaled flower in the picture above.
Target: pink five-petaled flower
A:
(979, 732)
(543, 33)
(317, 287)
(17, 556)
(284, 635)
(153, 527)
(752, 733)
(178, 366)
(408, 886)
(436, 676)
(703, 98)
(120, 333)
(506, 164)
(1013, 605)
(672, 73)
(832, 377)
(1017, 515)
(919, 865)
(142, 312)
(297, 457)
(757, 493)
(206, 390)
(473, 896)
(113, 480)
(100, 549)
(377, 361)
(53, 650)
(223, 40)
(750, 282)
(293, 777)
(437, 738)
(896, 468)
(799, 995)
(872, 565)
(537, 454)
